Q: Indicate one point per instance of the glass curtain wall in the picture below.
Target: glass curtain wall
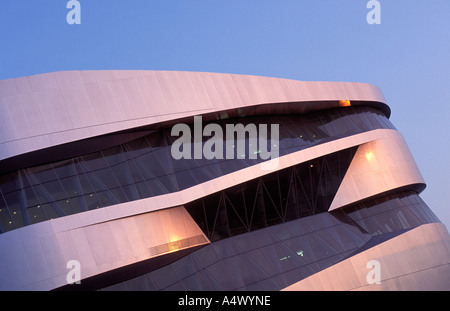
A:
(144, 167)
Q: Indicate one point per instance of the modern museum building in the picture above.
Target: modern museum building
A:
(195, 181)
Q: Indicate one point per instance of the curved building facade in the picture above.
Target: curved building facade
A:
(109, 181)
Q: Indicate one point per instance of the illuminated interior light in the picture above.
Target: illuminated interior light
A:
(174, 246)
(174, 243)
(369, 156)
(174, 238)
(344, 103)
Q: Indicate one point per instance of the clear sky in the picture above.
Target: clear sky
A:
(407, 55)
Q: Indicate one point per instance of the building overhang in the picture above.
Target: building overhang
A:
(59, 109)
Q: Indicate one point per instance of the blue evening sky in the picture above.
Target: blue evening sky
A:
(407, 55)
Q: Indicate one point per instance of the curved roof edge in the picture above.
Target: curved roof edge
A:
(51, 109)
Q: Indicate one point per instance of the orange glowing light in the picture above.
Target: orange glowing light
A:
(369, 156)
(174, 243)
(174, 246)
(174, 238)
(344, 103)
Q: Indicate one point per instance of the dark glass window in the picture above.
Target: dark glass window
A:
(391, 213)
(267, 259)
(299, 191)
(277, 256)
(144, 167)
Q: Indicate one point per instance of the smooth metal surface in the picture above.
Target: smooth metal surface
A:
(378, 166)
(41, 111)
